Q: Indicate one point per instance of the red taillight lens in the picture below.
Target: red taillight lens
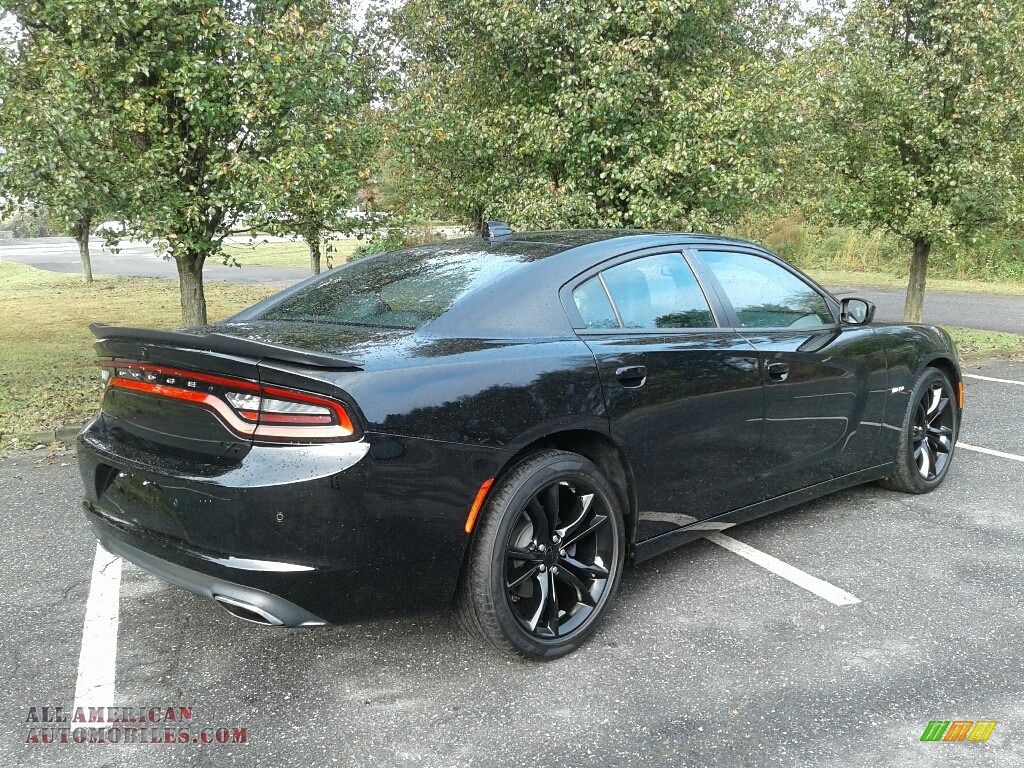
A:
(247, 408)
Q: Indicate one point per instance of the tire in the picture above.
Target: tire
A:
(532, 591)
(928, 436)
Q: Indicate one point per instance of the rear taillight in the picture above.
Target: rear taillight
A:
(247, 408)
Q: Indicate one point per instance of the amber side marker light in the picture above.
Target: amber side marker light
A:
(960, 394)
(478, 502)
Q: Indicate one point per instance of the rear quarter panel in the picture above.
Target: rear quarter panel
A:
(485, 392)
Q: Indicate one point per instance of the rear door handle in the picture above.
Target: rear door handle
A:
(778, 371)
(632, 376)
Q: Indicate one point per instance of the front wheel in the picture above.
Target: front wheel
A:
(928, 437)
(546, 559)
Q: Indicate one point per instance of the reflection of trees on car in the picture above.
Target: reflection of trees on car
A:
(690, 318)
(768, 315)
(801, 305)
(402, 289)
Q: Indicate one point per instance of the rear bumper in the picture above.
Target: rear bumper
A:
(240, 600)
(321, 534)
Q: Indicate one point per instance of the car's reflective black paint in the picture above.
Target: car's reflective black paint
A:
(694, 428)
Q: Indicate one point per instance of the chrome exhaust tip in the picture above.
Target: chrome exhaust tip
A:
(248, 612)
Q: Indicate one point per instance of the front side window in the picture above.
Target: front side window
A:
(658, 292)
(764, 294)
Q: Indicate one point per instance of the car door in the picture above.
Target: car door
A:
(824, 382)
(683, 395)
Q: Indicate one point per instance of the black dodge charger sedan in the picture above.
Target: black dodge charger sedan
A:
(500, 423)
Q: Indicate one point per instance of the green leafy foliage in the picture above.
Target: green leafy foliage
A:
(32, 221)
(921, 117)
(394, 237)
(323, 149)
(56, 149)
(381, 242)
(654, 114)
(994, 255)
(207, 104)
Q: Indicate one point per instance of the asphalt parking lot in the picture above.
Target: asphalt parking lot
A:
(139, 259)
(707, 659)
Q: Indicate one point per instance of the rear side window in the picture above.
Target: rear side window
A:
(658, 292)
(404, 289)
(764, 294)
(592, 302)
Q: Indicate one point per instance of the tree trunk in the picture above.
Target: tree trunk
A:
(914, 307)
(314, 255)
(81, 233)
(190, 284)
(477, 219)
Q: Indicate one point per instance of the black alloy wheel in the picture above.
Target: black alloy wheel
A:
(932, 436)
(928, 440)
(546, 559)
(557, 559)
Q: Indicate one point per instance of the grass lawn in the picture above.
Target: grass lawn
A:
(979, 344)
(47, 374)
(837, 278)
(288, 254)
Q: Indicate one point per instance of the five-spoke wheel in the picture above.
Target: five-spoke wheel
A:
(546, 559)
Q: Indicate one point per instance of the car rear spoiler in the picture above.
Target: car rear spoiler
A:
(218, 342)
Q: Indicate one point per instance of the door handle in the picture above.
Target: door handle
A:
(632, 376)
(777, 371)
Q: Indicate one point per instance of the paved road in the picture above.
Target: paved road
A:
(135, 259)
(964, 310)
(968, 310)
(706, 660)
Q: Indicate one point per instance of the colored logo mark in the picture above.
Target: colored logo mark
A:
(958, 730)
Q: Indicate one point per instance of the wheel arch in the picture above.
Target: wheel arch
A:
(949, 367)
(600, 449)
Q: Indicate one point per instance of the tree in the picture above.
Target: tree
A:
(324, 149)
(55, 150)
(202, 97)
(921, 117)
(656, 114)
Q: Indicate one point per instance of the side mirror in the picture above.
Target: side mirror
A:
(856, 311)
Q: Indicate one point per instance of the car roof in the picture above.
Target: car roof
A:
(550, 258)
(562, 240)
(523, 302)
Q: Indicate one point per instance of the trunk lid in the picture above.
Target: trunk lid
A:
(191, 392)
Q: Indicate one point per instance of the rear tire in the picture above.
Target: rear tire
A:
(928, 436)
(546, 558)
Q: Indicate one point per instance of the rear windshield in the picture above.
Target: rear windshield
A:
(403, 289)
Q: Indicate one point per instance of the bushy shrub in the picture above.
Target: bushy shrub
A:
(32, 221)
(394, 238)
(380, 242)
(994, 255)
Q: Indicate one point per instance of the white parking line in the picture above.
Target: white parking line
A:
(990, 452)
(821, 588)
(98, 660)
(989, 378)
